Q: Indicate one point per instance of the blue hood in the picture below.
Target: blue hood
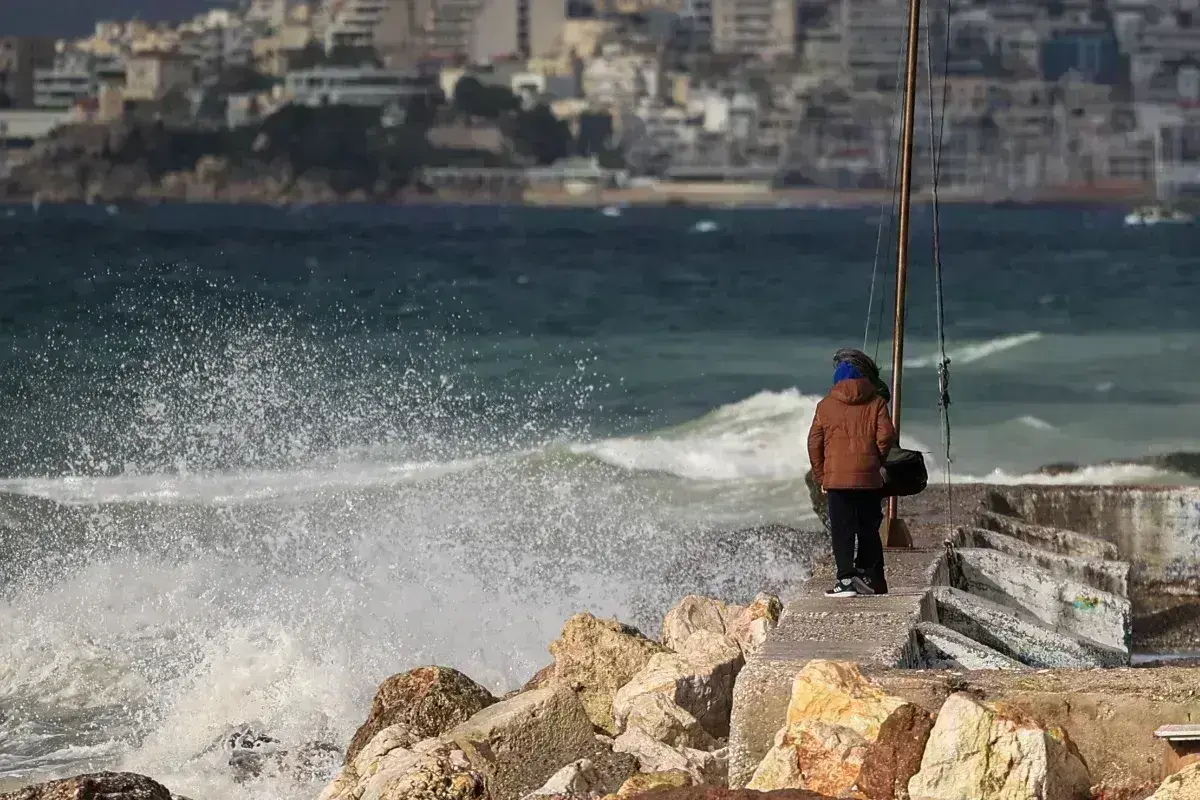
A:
(846, 372)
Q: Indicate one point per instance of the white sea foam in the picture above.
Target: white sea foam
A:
(282, 597)
(1037, 423)
(761, 437)
(1113, 474)
(969, 354)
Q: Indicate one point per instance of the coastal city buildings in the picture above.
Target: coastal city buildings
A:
(1032, 92)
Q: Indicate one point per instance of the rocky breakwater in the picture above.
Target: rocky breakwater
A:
(849, 735)
(618, 714)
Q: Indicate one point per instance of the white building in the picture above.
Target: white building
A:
(61, 89)
(72, 78)
(355, 86)
(618, 79)
(272, 13)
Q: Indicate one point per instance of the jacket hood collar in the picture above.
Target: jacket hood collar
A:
(854, 391)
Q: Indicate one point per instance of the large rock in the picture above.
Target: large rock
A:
(699, 679)
(893, 758)
(519, 743)
(578, 779)
(654, 756)
(747, 625)
(694, 613)
(712, 793)
(649, 781)
(980, 752)
(97, 786)
(393, 766)
(834, 719)
(1183, 785)
(428, 701)
(604, 773)
(596, 657)
(812, 755)
(750, 625)
(659, 716)
(836, 692)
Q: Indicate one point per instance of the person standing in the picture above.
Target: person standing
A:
(848, 444)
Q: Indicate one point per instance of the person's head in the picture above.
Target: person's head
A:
(845, 371)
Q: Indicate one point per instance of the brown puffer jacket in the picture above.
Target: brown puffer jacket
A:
(850, 437)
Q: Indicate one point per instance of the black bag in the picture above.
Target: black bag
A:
(904, 473)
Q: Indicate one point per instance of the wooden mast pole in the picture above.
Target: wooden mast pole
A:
(895, 532)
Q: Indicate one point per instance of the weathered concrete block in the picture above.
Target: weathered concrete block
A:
(1058, 601)
(1104, 574)
(1056, 540)
(760, 702)
(1156, 528)
(1024, 639)
(948, 648)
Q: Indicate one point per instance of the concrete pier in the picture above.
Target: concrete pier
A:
(999, 578)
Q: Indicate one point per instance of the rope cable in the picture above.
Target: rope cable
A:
(936, 141)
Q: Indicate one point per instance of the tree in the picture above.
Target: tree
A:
(243, 80)
(542, 136)
(473, 98)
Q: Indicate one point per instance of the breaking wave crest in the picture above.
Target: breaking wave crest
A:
(969, 354)
(152, 610)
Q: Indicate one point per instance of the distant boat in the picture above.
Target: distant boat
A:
(1156, 215)
(611, 211)
(1161, 212)
(705, 226)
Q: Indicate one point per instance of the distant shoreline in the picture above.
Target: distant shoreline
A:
(710, 196)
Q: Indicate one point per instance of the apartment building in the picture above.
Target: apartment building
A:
(505, 29)
(74, 76)
(875, 41)
(271, 13)
(864, 43)
(366, 86)
(20, 58)
(396, 29)
(764, 29)
(61, 89)
(151, 76)
(616, 78)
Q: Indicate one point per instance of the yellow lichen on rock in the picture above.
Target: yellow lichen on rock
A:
(812, 755)
(649, 781)
(836, 692)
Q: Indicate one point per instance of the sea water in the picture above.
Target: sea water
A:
(256, 460)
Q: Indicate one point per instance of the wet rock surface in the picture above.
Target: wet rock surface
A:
(428, 701)
(97, 786)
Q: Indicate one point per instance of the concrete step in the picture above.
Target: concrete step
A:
(1018, 635)
(1055, 600)
(1099, 573)
(943, 648)
(1056, 540)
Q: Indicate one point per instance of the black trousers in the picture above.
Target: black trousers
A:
(855, 516)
